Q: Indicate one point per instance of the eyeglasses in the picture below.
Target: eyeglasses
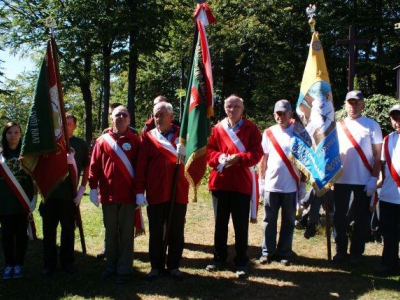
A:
(121, 115)
(234, 106)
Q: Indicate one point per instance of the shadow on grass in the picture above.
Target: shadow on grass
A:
(306, 279)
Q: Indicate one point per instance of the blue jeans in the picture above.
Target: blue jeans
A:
(359, 213)
(273, 202)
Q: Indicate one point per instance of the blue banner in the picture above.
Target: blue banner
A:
(315, 147)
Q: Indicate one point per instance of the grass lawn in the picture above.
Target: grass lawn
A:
(310, 276)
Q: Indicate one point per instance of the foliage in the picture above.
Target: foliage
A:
(258, 49)
(377, 108)
(15, 104)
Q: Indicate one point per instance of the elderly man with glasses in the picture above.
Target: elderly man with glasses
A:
(111, 172)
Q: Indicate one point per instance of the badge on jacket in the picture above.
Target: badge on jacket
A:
(126, 146)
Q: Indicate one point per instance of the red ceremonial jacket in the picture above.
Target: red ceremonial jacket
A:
(236, 178)
(104, 173)
(155, 173)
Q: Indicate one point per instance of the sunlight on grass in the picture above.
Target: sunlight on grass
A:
(310, 276)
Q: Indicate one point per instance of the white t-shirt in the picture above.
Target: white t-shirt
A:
(390, 192)
(277, 175)
(366, 132)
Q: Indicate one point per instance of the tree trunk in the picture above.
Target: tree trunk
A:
(132, 75)
(106, 84)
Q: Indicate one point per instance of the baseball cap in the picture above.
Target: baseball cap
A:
(394, 108)
(283, 106)
(357, 95)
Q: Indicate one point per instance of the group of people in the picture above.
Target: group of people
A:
(234, 148)
(19, 200)
(128, 171)
(364, 156)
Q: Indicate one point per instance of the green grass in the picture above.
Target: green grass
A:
(310, 277)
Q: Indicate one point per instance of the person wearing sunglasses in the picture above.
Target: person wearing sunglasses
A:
(111, 176)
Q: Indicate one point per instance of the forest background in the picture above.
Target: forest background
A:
(130, 51)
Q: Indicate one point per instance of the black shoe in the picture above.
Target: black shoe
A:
(385, 271)
(176, 274)
(310, 230)
(107, 274)
(101, 255)
(153, 274)
(338, 258)
(48, 271)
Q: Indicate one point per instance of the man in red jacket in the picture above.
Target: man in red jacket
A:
(150, 123)
(233, 149)
(155, 170)
(111, 171)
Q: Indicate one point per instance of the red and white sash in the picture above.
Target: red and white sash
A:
(284, 158)
(235, 145)
(356, 146)
(14, 184)
(124, 165)
(20, 193)
(390, 155)
(121, 160)
(163, 144)
(374, 198)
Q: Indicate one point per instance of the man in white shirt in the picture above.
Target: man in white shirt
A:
(389, 198)
(280, 183)
(360, 143)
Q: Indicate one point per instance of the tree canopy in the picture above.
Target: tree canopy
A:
(130, 51)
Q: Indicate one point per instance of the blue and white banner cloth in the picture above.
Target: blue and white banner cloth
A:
(315, 146)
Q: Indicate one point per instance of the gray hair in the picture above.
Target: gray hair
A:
(233, 96)
(167, 105)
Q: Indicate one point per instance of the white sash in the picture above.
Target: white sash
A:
(239, 145)
(120, 153)
(163, 141)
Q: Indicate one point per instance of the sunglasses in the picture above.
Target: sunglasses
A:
(122, 115)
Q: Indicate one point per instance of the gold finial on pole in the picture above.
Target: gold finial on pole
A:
(310, 10)
(50, 23)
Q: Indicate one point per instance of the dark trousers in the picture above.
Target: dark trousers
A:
(358, 213)
(158, 217)
(389, 224)
(227, 203)
(14, 238)
(314, 202)
(56, 211)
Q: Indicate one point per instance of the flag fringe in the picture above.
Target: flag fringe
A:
(194, 156)
(327, 186)
(210, 111)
